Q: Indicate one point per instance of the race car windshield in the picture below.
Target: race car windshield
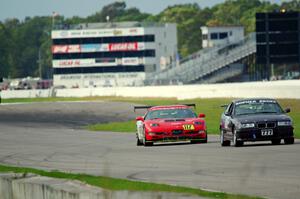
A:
(257, 108)
(170, 113)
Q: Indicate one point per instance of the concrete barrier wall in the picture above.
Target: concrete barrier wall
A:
(273, 89)
(20, 186)
(6, 94)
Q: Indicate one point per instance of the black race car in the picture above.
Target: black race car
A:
(255, 120)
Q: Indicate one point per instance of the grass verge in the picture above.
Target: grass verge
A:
(121, 184)
(126, 127)
(211, 107)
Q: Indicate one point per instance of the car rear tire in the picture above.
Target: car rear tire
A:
(236, 142)
(276, 141)
(224, 142)
(289, 141)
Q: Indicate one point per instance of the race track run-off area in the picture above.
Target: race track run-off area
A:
(50, 136)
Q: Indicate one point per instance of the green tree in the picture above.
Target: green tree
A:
(112, 10)
(132, 14)
(189, 21)
(240, 12)
(4, 46)
(293, 5)
(21, 41)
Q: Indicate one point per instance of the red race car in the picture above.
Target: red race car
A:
(170, 123)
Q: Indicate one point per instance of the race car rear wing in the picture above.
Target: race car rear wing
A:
(193, 105)
(224, 106)
(147, 107)
(141, 107)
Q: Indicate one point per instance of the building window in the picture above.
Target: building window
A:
(108, 69)
(204, 37)
(144, 38)
(92, 55)
(214, 36)
(223, 35)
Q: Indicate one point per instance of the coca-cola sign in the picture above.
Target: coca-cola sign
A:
(66, 49)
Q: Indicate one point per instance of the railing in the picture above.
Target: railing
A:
(207, 61)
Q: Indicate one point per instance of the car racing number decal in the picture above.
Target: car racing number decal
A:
(188, 127)
(267, 132)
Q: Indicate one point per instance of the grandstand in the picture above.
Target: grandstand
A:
(209, 65)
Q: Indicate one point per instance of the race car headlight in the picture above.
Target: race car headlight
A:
(284, 123)
(202, 132)
(151, 133)
(154, 125)
(248, 125)
(198, 123)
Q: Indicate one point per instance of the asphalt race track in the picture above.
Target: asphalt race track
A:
(50, 136)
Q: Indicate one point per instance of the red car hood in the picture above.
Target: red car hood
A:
(167, 125)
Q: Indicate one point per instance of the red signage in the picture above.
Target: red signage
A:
(66, 49)
(69, 63)
(133, 46)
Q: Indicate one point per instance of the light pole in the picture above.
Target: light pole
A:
(40, 61)
(40, 52)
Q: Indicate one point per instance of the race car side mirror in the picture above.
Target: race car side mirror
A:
(201, 115)
(287, 110)
(139, 118)
(227, 114)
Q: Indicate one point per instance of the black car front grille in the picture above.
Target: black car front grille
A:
(177, 132)
(263, 125)
(271, 125)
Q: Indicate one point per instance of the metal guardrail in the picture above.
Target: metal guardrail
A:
(207, 61)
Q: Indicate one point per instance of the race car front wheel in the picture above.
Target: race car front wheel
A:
(147, 143)
(138, 142)
(236, 142)
(289, 140)
(222, 140)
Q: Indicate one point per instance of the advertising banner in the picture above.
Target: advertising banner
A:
(94, 47)
(132, 46)
(88, 48)
(74, 49)
(105, 60)
(68, 63)
(90, 33)
(132, 61)
(73, 63)
(66, 49)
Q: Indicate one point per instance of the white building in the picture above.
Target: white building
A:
(111, 54)
(219, 35)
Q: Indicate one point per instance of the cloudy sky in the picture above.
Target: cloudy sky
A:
(22, 8)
